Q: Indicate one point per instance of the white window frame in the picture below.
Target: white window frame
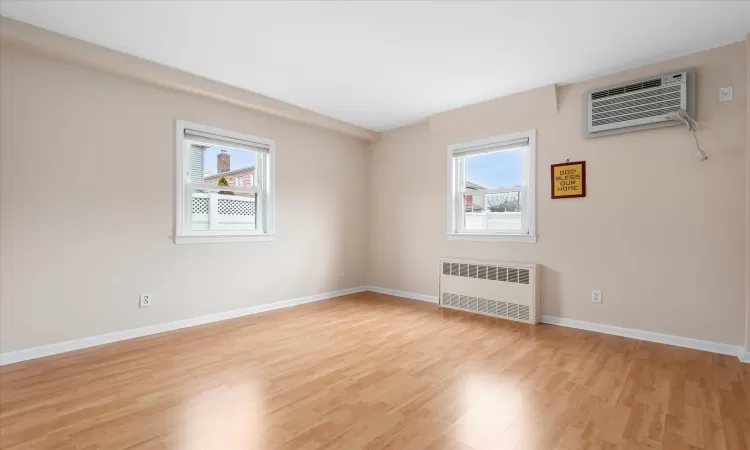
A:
(265, 168)
(455, 202)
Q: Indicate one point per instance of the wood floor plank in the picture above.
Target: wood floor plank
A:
(369, 371)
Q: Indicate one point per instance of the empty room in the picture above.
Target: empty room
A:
(467, 225)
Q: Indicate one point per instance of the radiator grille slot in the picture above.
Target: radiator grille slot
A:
(486, 306)
(492, 307)
(523, 312)
(523, 276)
(513, 310)
(512, 275)
(484, 272)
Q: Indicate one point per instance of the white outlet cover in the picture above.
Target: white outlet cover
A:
(146, 300)
(726, 94)
(596, 296)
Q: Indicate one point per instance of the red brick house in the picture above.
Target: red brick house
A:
(243, 177)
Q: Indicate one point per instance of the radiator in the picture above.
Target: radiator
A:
(499, 289)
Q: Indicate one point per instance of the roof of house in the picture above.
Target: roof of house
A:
(474, 186)
(231, 172)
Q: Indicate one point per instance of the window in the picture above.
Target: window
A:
(213, 204)
(491, 189)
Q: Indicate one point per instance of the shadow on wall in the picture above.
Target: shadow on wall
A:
(550, 287)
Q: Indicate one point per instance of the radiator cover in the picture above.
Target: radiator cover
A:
(500, 289)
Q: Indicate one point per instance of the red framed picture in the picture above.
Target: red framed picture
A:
(569, 180)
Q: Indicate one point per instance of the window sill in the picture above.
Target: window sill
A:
(222, 239)
(520, 238)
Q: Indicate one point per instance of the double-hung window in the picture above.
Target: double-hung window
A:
(213, 201)
(491, 189)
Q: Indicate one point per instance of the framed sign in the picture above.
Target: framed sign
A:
(569, 180)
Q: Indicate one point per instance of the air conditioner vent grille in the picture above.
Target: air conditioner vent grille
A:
(619, 102)
(656, 82)
(643, 106)
(628, 117)
(637, 105)
(486, 306)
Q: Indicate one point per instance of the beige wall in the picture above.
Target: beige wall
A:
(660, 233)
(91, 229)
(747, 196)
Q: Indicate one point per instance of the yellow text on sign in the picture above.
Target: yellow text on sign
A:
(568, 180)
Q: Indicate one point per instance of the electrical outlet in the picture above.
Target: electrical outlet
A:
(145, 300)
(726, 94)
(341, 273)
(596, 296)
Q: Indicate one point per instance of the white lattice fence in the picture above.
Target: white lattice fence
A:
(230, 212)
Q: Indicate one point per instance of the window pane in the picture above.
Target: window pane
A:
(493, 212)
(223, 210)
(495, 170)
(236, 167)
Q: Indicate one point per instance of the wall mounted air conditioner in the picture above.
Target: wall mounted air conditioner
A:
(499, 289)
(638, 105)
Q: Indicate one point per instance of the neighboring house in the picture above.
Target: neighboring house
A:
(474, 202)
(243, 177)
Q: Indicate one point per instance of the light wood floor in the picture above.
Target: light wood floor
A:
(372, 371)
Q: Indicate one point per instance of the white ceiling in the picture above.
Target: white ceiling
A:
(381, 65)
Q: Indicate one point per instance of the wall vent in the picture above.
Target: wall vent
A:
(487, 272)
(507, 290)
(487, 306)
(631, 105)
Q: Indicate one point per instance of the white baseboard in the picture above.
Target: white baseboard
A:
(679, 341)
(404, 294)
(92, 341)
